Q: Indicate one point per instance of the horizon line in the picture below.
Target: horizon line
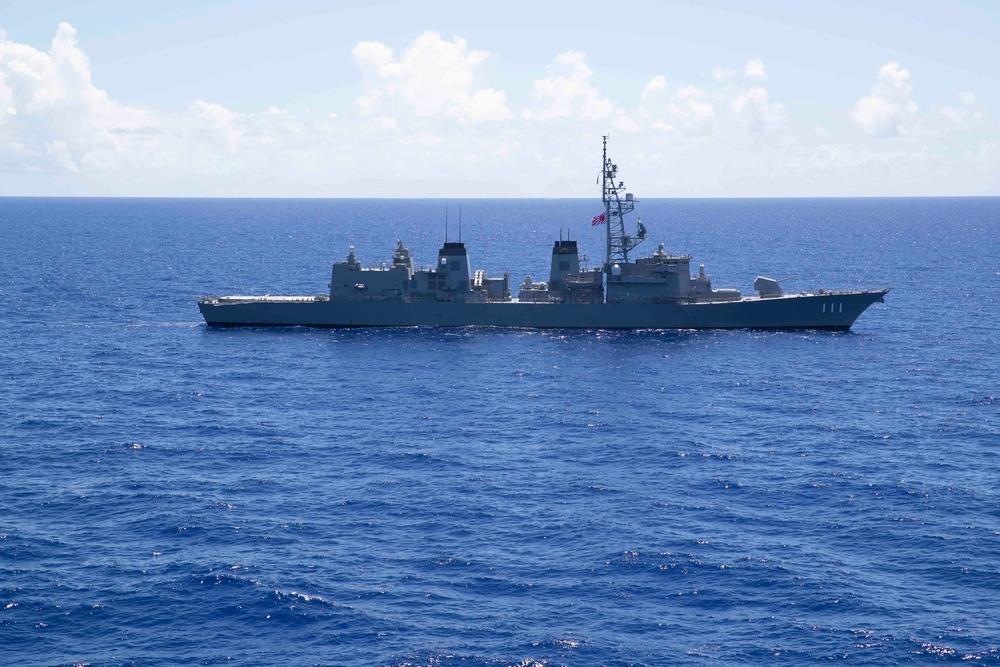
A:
(400, 198)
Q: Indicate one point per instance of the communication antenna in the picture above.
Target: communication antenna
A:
(445, 224)
(617, 203)
(459, 223)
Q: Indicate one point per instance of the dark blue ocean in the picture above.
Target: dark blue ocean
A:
(172, 494)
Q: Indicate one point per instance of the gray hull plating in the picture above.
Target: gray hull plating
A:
(654, 292)
(835, 311)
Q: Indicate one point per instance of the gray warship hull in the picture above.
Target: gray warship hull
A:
(830, 311)
(654, 292)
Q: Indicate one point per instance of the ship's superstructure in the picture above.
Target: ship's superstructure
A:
(450, 280)
(657, 291)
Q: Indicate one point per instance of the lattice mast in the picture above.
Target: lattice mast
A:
(616, 205)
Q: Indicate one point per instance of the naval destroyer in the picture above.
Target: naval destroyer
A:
(654, 292)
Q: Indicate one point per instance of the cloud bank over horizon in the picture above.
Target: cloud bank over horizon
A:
(430, 123)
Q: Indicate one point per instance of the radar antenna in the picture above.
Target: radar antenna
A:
(616, 205)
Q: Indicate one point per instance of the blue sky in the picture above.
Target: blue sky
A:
(498, 99)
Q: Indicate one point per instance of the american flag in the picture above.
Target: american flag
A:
(599, 219)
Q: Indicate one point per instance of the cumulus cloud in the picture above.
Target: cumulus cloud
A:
(231, 129)
(755, 70)
(688, 109)
(624, 122)
(888, 110)
(488, 104)
(432, 77)
(987, 156)
(59, 150)
(221, 119)
(428, 124)
(567, 92)
(722, 73)
(754, 110)
(652, 93)
(51, 106)
(967, 114)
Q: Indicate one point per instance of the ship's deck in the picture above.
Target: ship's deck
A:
(279, 299)
(231, 300)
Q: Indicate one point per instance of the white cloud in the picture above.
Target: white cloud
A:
(688, 109)
(49, 102)
(722, 73)
(967, 115)
(488, 104)
(365, 102)
(236, 129)
(755, 70)
(59, 150)
(568, 93)
(431, 77)
(888, 111)
(691, 109)
(428, 124)
(755, 111)
(626, 123)
(652, 95)
(988, 156)
(220, 118)
(653, 101)
(375, 54)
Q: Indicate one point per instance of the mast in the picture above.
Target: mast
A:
(616, 205)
